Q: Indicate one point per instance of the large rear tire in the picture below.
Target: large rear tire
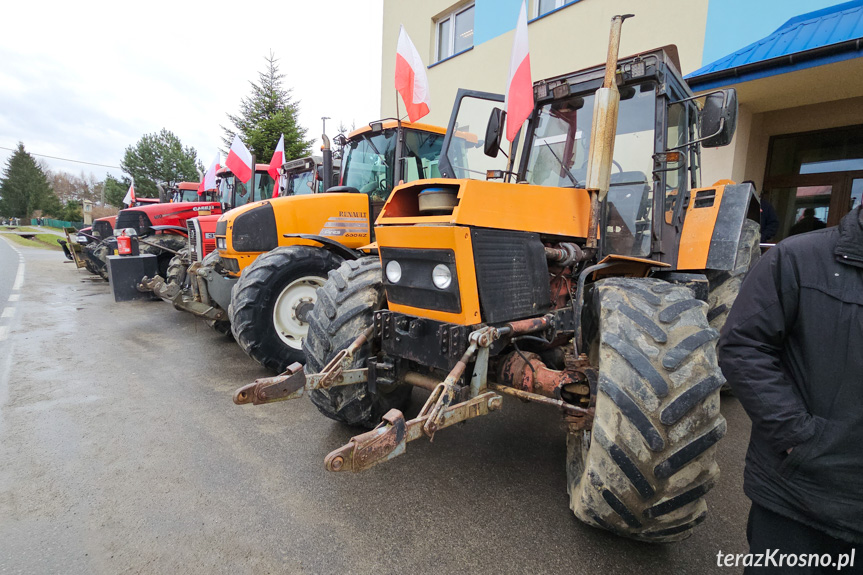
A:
(725, 285)
(643, 469)
(343, 311)
(266, 299)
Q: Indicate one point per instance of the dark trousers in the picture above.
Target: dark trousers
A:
(767, 530)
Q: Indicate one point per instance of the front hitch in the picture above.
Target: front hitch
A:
(293, 383)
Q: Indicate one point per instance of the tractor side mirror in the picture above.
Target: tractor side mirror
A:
(494, 132)
(719, 118)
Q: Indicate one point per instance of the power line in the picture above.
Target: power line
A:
(64, 159)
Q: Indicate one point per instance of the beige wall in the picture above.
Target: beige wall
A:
(573, 38)
(746, 157)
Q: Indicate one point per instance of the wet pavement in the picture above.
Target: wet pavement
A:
(123, 453)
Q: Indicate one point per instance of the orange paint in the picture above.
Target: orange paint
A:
(455, 238)
(698, 230)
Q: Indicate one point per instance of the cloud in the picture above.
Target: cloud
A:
(85, 80)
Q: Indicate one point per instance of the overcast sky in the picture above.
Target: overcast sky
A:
(85, 79)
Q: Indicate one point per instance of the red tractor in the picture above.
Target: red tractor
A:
(161, 229)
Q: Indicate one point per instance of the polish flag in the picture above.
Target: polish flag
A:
(277, 161)
(129, 199)
(411, 80)
(209, 182)
(519, 89)
(240, 160)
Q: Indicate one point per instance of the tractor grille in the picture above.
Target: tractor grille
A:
(134, 219)
(193, 240)
(511, 274)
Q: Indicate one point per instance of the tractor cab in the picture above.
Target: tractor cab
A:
(305, 176)
(188, 192)
(384, 154)
(233, 193)
(657, 148)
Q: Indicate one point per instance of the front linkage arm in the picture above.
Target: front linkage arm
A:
(293, 383)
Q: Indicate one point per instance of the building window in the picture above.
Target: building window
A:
(543, 7)
(454, 32)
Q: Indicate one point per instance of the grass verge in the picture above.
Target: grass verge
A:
(48, 241)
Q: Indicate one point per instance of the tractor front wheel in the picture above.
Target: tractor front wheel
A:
(177, 268)
(643, 469)
(272, 300)
(344, 310)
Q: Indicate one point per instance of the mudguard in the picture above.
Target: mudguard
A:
(711, 229)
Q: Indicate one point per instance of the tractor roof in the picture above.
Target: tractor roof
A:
(389, 124)
(188, 185)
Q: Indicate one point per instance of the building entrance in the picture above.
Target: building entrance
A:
(813, 179)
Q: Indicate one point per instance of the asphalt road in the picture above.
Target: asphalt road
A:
(122, 453)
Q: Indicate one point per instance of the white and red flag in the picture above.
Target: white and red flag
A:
(278, 160)
(240, 160)
(411, 80)
(209, 181)
(129, 199)
(519, 88)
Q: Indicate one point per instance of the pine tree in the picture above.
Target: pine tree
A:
(160, 157)
(115, 190)
(265, 115)
(24, 187)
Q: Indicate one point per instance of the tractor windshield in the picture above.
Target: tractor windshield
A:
(300, 183)
(558, 154)
(185, 196)
(262, 190)
(369, 163)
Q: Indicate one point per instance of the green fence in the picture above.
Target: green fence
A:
(57, 223)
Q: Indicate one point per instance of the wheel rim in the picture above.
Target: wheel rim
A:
(290, 329)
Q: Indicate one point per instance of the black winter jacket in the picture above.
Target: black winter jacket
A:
(792, 351)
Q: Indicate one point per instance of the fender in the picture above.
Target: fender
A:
(331, 245)
(711, 229)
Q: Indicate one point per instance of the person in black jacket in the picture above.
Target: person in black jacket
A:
(792, 352)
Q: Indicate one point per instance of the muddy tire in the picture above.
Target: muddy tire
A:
(643, 470)
(725, 285)
(343, 311)
(177, 268)
(265, 299)
(174, 242)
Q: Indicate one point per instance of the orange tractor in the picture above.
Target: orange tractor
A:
(593, 285)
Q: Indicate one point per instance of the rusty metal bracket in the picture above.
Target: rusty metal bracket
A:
(288, 385)
(332, 373)
(291, 385)
(389, 439)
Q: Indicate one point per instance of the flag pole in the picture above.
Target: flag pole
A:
(398, 141)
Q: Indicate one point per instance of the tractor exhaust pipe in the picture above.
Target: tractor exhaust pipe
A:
(607, 103)
(327, 164)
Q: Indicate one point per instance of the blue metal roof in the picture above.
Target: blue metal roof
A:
(825, 27)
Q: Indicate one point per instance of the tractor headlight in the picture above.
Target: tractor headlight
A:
(442, 276)
(394, 271)
(221, 243)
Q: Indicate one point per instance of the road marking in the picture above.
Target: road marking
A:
(8, 312)
(19, 277)
(15, 297)
(4, 332)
